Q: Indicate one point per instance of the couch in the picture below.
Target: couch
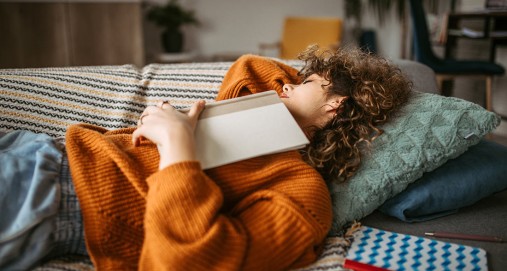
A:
(488, 216)
(47, 100)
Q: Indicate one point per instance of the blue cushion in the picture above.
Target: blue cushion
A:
(477, 173)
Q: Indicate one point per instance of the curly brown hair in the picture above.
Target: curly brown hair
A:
(375, 89)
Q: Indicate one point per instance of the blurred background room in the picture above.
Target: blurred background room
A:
(58, 33)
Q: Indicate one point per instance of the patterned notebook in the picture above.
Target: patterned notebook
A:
(374, 249)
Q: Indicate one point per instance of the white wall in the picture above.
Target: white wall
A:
(238, 26)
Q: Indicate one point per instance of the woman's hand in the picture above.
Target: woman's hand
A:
(172, 131)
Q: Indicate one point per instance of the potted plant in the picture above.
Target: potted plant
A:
(171, 17)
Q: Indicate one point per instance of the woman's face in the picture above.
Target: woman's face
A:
(309, 103)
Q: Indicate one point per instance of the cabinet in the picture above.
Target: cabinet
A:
(57, 34)
(494, 29)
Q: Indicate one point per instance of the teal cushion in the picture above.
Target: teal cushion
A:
(479, 172)
(429, 130)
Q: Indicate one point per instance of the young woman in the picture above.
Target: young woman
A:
(147, 204)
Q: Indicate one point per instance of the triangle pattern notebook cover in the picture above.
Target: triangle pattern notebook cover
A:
(374, 249)
(237, 129)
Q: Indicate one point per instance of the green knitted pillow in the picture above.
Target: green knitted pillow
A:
(429, 130)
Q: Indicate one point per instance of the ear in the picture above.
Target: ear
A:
(336, 103)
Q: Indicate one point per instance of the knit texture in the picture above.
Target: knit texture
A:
(424, 134)
(266, 213)
(254, 74)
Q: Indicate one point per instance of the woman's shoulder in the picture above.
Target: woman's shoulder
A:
(283, 167)
(280, 162)
(284, 170)
(298, 175)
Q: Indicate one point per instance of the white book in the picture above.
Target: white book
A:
(237, 129)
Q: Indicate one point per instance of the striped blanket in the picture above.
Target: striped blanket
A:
(48, 100)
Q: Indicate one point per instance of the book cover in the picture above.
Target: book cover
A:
(237, 129)
(375, 249)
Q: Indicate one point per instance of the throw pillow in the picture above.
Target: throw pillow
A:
(479, 172)
(429, 130)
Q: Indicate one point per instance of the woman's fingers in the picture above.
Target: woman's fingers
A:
(152, 110)
(195, 111)
(140, 120)
(136, 137)
(155, 118)
(164, 104)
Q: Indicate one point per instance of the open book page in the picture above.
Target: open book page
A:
(237, 129)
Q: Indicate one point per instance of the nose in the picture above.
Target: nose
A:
(287, 87)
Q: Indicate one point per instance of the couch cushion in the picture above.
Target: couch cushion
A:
(429, 130)
(477, 173)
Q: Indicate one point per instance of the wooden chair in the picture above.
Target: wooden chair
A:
(449, 69)
(300, 32)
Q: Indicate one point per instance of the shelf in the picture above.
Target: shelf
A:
(177, 57)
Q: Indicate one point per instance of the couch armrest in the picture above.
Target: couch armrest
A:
(423, 76)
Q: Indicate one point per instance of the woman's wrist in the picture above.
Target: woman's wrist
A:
(179, 147)
(172, 131)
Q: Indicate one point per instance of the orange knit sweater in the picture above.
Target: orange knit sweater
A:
(266, 213)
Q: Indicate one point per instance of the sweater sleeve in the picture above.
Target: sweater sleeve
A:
(253, 74)
(187, 228)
